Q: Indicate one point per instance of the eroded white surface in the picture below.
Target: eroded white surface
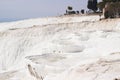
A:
(60, 48)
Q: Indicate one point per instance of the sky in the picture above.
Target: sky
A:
(11, 10)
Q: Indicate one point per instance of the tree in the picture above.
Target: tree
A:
(111, 0)
(111, 8)
(102, 4)
(70, 8)
(92, 5)
(82, 11)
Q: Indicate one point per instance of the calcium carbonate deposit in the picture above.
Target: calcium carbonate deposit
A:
(60, 48)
